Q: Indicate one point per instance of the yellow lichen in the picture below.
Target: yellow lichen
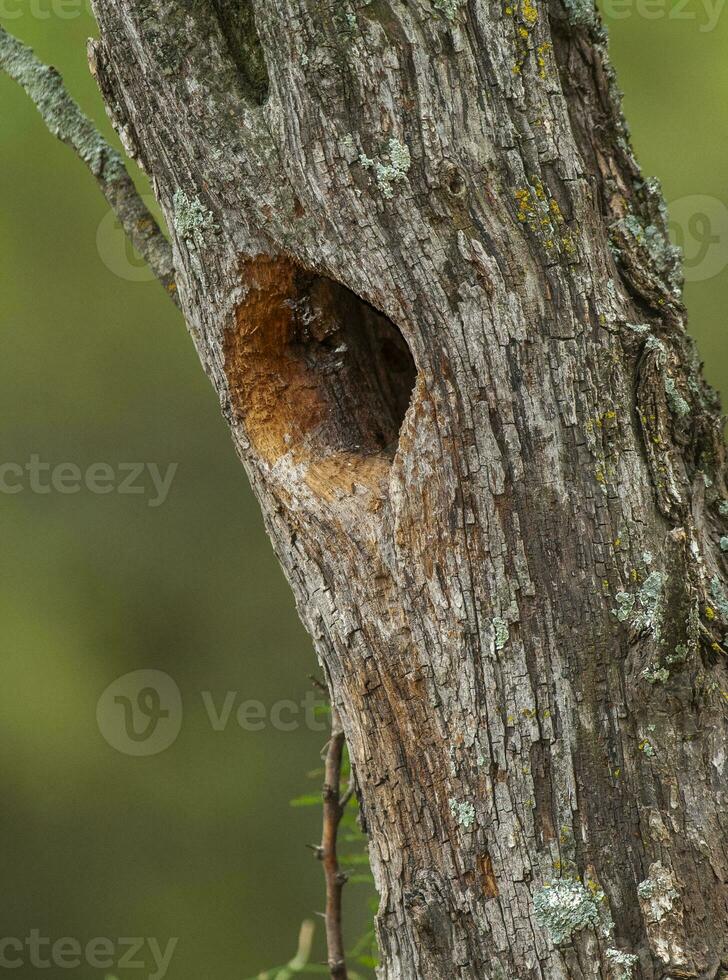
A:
(530, 12)
(541, 52)
(542, 214)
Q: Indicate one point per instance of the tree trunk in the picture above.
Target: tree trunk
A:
(437, 301)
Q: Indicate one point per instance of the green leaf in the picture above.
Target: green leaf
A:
(309, 799)
(357, 859)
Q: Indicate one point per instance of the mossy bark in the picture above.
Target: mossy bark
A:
(515, 587)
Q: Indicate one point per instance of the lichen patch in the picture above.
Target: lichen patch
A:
(566, 907)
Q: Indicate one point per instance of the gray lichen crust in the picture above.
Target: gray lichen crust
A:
(663, 913)
(502, 633)
(679, 406)
(622, 964)
(643, 609)
(582, 13)
(449, 8)
(393, 170)
(191, 218)
(463, 812)
(658, 893)
(566, 907)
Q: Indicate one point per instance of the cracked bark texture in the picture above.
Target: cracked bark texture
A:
(516, 587)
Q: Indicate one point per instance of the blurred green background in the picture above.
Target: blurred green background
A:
(199, 841)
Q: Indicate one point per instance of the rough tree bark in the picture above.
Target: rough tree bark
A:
(437, 301)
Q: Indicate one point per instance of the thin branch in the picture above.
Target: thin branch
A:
(350, 790)
(302, 958)
(319, 684)
(299, 962)
(334, 805)
(64, 119)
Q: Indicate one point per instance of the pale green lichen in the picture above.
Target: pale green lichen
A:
(449, 8)
(399, 155)
(724, 543)
(645, 608)
(649, 599)
(647, 748)
(723, 508)
(566, 907)
(346, 22)
(502, 633)
(497, 972)
(606, 922)
(622, 964)
(718, 596)
(667, 258)
(653, 344)
(656, 674)
(463, 812)
(658, 893)
(679, 656)
(191, 218)
(395, 171)
(678, 405)
(625, 605)
(582, 13)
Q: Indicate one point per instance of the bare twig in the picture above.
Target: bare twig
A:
(64, 119)
(334, 805)
(301, 959)
(319, 684)
(299, 962)
(350, 790)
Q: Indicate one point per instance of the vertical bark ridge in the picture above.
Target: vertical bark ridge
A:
(237, 21)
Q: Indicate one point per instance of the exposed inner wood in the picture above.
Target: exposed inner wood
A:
(318, 373)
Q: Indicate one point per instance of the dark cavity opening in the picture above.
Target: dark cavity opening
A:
(317, 372)
(237, 22)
